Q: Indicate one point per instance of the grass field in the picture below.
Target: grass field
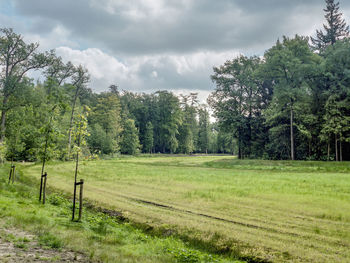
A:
(98, 237)
(275, 211)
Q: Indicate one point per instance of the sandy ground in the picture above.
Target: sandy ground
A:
(19, 246)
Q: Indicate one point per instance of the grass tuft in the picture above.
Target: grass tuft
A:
(50, 240)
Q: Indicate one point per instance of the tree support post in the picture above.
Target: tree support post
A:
(42, 192)
(44, 187)
(80, 183)
(41, 187)
(12, 174)
(81, 199)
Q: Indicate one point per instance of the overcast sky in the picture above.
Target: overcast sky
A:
(149, 45)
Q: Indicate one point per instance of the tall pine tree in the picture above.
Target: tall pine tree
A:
(148, 140)
(130, 143)
(203, 133)
(335, 28)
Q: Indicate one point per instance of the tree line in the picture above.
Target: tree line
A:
(291, 103)
(294, 102)
(39, 119)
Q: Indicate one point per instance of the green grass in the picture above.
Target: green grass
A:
(101, 237)
(276, 211)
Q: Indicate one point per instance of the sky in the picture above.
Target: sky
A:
(150, 45)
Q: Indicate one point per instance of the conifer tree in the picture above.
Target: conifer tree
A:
(335, 28)
(148, 141)
(203, 134)
(130, 143)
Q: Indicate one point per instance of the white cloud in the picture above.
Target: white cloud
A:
(103, 68)
(148, 73)
(202, 94)
(154, 74)
(59, 36)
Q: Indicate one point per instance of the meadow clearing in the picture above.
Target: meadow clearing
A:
(273, 211)
(33, 232)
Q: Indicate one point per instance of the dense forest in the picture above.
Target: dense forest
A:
(291, 103)
(294, 102)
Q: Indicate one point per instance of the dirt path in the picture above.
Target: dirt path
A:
(19, 246)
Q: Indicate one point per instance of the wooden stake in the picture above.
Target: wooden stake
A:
(74, 195)
(44, 188)
(81, 183)
(41, 188)
(10, 174)
(13, 173)
(81, 198)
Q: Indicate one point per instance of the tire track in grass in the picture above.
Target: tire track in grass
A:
(291, 221)
(222, 219)
(230, 221)
(200, 214)
(251, 226)
(168, 207)
(217, 218)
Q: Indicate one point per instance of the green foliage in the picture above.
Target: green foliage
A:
(203, 129)
(80, 132)
(191, 256)
(99, 141)
(169, 118)
(107, 114)
(148, 141)
(293, 91)
(50, 240)
(188, 130)
(130, 141)
(57, 200)
(292, 103)
(16, 58)
(240, 96)
(105, 125)
(3, 150)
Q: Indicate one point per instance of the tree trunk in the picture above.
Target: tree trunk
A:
(328, 151)
(341, 150)
(3, 125)
(71, 121)
(336, 149)
(291, 135)
(249, 152)
(310, 148)
(239, 146)
(3, 119)
(70, 133)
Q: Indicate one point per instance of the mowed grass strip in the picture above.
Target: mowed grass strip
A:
(275, 210)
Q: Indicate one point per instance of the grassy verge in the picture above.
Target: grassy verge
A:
(99, 236)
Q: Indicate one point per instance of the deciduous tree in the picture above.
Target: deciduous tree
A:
(17, 58)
